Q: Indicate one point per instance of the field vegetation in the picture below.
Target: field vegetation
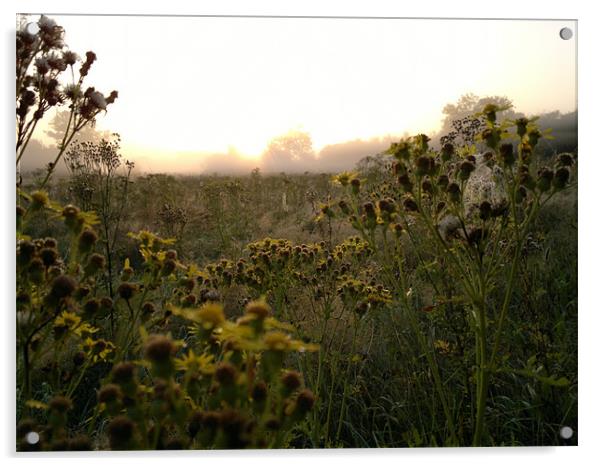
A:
(426, 298)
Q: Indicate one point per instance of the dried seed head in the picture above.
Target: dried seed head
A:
(87, 240)
(565, 159)
(121, 432)
(453, 191)
(404, 181)
(544, 182)
(123, 373)
(291, 381)
(91, 307)
(80, 442)
(259, 309)
(39, 199)
(148, 309)
(305, 401)
(410, 205)
(62, 286)
(485, 210)
(260, 391)
(443, 181)
(466, 168)
(79, 358)
(561, 178)
(109, 393)
(49, 256)
(159, 349)
(126, 290)
(60, 404)
(96, 261)
(168, 267)
(226, 374)
(447, 151)
(507, 154)
(195, 423)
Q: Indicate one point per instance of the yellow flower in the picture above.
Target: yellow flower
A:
(277, 341)
(191, 362)
(211, 315)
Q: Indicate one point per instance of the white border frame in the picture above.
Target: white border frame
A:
(590, 105)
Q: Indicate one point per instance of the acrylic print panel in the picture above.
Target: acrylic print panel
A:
(252, 232)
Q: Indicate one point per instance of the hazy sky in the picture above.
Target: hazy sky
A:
(214, 84)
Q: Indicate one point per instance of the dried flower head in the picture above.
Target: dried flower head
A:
(159, 349)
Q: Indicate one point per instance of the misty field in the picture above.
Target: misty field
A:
(425, 297)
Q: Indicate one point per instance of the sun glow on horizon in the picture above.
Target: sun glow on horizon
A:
(229, 85)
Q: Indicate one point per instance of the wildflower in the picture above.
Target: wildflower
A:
(112, 96)
(491, 136)
(211, 315)
(121, 432)
(234, 426)
(62, 286)
(399, 169)
(195, 423)
(490, 111)
(60, 404)
(291, 380)
(369, 209)
(96, 262)
(277, 341)
(544, 182)
(260, 392)
(534, 135)
(521, 126)
(507, 154)
(109, 393)
(485, 210)
(168, 267)
(305, 402)
(39, 199)
(70, 57)
(466, 168)
(91, 307)
(344, 178)
(126, 290)
(46, 24)
(259, 309)
(561, 178)
(406, 184)
(87, 240)
(42, 65)
(49, 256)
(148, 309)
(159, 349)
(344, 207)
(410, 204)
(421, 141)
(80, 443)
(123, 373)
(447, 151)
(355, 186)
(423, 165)
(453, 191)
(225, 374)
(565, 160)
